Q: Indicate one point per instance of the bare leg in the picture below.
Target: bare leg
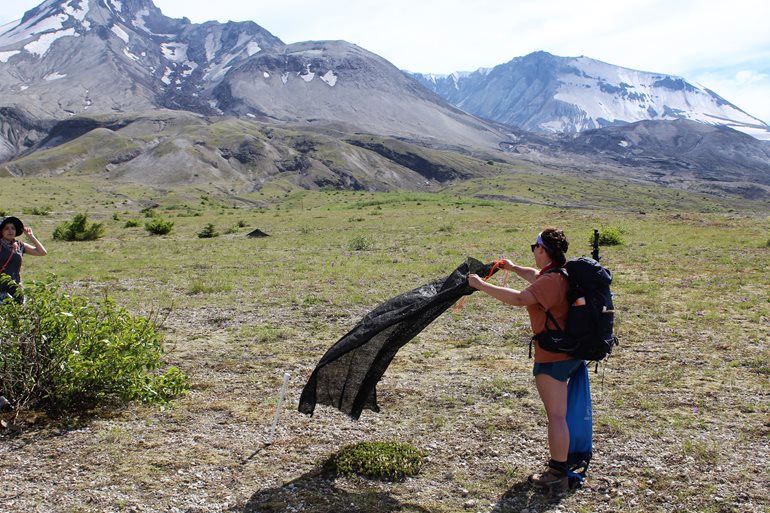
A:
(553, 393)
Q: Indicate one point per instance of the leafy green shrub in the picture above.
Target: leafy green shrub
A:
(131, 223)
(78, 229)
(360, 243)
(63, 353)
(208, 232)
(159, 226)
(380, 460)
(149, 211)
(610, 236)
(37, 211)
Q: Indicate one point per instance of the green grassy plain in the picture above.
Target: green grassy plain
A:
(681, 409)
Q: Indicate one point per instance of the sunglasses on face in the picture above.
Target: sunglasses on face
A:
(533, 246)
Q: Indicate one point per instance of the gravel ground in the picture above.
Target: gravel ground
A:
(461, 391)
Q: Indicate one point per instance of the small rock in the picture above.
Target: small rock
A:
(5, 404)
(464, 492)
(469, 504)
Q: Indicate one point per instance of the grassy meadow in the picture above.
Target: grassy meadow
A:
(681, 409)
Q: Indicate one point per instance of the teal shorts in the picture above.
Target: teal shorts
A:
(562, 370)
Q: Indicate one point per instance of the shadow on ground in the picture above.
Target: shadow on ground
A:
(522, 496)
(316, 492)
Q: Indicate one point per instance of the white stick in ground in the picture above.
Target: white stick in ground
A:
(278, 409)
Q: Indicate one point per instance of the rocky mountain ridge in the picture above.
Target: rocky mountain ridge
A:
(76, 57)
(117, 88)
(551, 94)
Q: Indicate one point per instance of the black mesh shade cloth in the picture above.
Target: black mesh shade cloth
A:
(347, 375)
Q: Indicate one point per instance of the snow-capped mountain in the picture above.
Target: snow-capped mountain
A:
(74, 56)
(85, 57)
(116, 87)
(546, 93)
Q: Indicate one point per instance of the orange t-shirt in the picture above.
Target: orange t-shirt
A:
(550, 291)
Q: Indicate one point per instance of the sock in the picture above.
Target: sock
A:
(559, 466)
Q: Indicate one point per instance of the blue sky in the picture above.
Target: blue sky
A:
(724, 46)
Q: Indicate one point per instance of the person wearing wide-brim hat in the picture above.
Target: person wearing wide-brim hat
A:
(11, 252)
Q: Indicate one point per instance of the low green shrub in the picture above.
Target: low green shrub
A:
(131, 223)
(208, 232)
(379, 460)
(65, 354)
(78, 229)
(610, 236)
(159, 226)
(37, 211)
(361, 243)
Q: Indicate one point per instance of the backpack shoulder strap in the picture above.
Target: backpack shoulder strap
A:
(5, 264)
(549, 317)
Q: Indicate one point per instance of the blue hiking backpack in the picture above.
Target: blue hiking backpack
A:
(588, 333)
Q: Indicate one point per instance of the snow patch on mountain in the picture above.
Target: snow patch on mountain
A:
(54, 76)
(4, 56)
(252, 47)
(120, 33)
(32, 27)
(41, 46)
(130, 55)
(330, 78)
(308, 75)
(139, 20)
(77, 13)
(117, 5)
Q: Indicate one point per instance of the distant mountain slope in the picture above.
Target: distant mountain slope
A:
(167, 147)
(75, 57)
(546, 93)
(115, 88)
(677, 150)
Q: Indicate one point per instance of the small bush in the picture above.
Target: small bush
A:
(64, 354)
(208, 232)
(131, 223)
(78, 229)
(199, 286)
(149, 212)
(379, 460)
(37, 211)
(159, 226)
(609, 236)
(361, 243)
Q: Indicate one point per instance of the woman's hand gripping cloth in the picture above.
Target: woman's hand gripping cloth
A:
(347, 375)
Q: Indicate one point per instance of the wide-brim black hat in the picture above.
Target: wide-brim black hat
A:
(16, 223)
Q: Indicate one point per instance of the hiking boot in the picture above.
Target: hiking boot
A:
(551, 480)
